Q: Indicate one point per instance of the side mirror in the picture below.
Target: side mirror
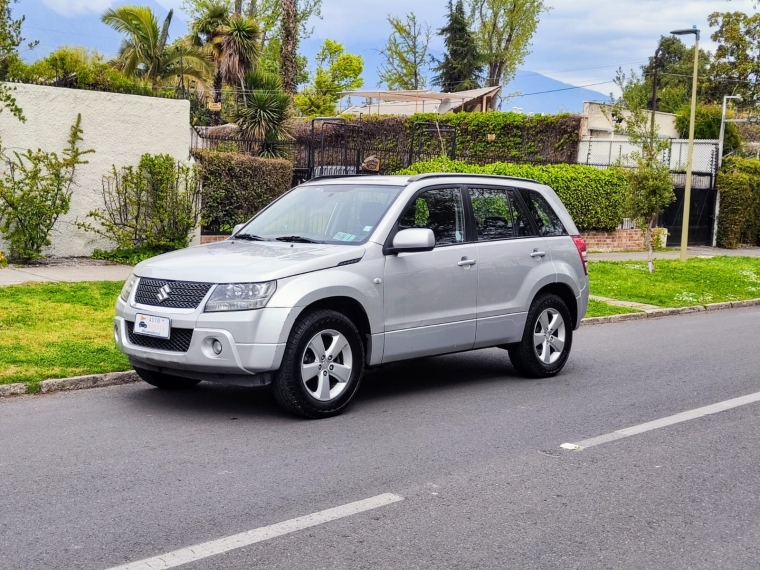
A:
(237, 228)
(414, 239)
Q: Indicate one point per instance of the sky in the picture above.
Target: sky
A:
(578, 42)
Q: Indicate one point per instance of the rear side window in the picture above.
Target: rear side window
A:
(546, 219)
(498, 214)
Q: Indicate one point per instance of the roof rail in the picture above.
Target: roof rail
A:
(417, 177)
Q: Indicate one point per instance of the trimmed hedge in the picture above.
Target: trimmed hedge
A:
(596, 199)
(739, 216)
(237, 186)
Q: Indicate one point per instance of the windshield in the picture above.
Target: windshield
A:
(329, 213)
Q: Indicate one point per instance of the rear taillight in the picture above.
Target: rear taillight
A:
(581, 247)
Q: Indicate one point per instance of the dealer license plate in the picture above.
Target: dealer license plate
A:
(152, 326)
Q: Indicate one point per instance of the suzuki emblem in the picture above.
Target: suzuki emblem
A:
(163, 293)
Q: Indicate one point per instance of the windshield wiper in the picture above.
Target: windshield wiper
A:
(250, 237)
(297, 239)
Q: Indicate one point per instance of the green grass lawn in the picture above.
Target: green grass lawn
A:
(602, 309)
(677, 284)
(56, 330)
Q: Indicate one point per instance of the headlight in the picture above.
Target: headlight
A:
(127, 289)
(240, 296)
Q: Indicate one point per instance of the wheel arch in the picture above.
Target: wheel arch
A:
(564, 292)
(351, 308)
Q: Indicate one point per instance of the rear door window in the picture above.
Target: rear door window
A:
(545, 218)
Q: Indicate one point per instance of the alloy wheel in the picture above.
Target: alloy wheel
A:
(549, 336)
(326, 365)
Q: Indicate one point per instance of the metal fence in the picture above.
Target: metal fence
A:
(608, 152)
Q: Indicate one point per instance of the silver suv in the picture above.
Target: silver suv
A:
(341, 274)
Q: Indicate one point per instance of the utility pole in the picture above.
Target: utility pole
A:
(690, 161)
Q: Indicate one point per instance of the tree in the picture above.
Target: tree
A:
(289, 51)
(406, 54)
(145, 52)
(10, 39)
(265, 113)
(674, 68)
(461, 66)
(504, 29)
(650, 184)
(336, 71)
(268, 15)
(230, 41)
(736, 67)
(707, 126)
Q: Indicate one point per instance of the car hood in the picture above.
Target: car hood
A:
(238, 261)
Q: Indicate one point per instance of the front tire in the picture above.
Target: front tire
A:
(547, 339)
(165, 381)
(322, 367)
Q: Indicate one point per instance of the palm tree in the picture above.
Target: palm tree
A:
(240, 47)
(232, 43)
(265, 113)
(145, 52)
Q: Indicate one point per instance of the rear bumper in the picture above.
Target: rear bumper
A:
(582, 302)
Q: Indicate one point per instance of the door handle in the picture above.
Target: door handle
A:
(466, 261)
(537, 253)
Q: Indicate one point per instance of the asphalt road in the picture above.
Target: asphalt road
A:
(101, 478)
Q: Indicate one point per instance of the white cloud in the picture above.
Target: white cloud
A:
(73, 7)
(578, 41)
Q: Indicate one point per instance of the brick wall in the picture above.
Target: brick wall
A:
(619, 240)
(212, 239)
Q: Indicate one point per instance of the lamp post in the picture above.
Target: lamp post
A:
(723, 121)
(721, 140)
(690, 154)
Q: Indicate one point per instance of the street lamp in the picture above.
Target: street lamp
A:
(690, 154)
(723, 127)
(721, 140)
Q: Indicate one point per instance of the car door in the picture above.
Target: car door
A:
(512, 258)
(430, 297)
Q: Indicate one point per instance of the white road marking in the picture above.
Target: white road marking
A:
(219, 546)
(664, 422)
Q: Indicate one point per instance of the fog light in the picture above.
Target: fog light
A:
(116, 333)
(216, 346)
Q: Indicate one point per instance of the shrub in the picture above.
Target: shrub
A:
(154, 206)
(596, 199)
(707, 125)
(235, 187)
(35, 190)
(739, 216)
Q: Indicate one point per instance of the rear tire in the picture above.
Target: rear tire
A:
(165, 381)
(547, 339)
(322, 367)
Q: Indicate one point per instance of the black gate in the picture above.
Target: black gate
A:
(701, 217)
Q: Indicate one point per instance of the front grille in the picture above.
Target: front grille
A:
(183, 295)
(178, 341)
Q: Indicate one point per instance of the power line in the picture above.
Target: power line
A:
(564, 89)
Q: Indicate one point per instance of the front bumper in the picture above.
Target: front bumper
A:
(250, 340)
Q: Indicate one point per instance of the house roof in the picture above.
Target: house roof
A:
(410, 102)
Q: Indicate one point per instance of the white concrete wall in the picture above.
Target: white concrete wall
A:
(598, 121)
(120, 128)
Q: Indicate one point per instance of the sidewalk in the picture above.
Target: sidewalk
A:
(702, 251)
(18, 274)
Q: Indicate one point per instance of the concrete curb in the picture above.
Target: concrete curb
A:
(75, 383)
(657, 313)
(119, 378)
